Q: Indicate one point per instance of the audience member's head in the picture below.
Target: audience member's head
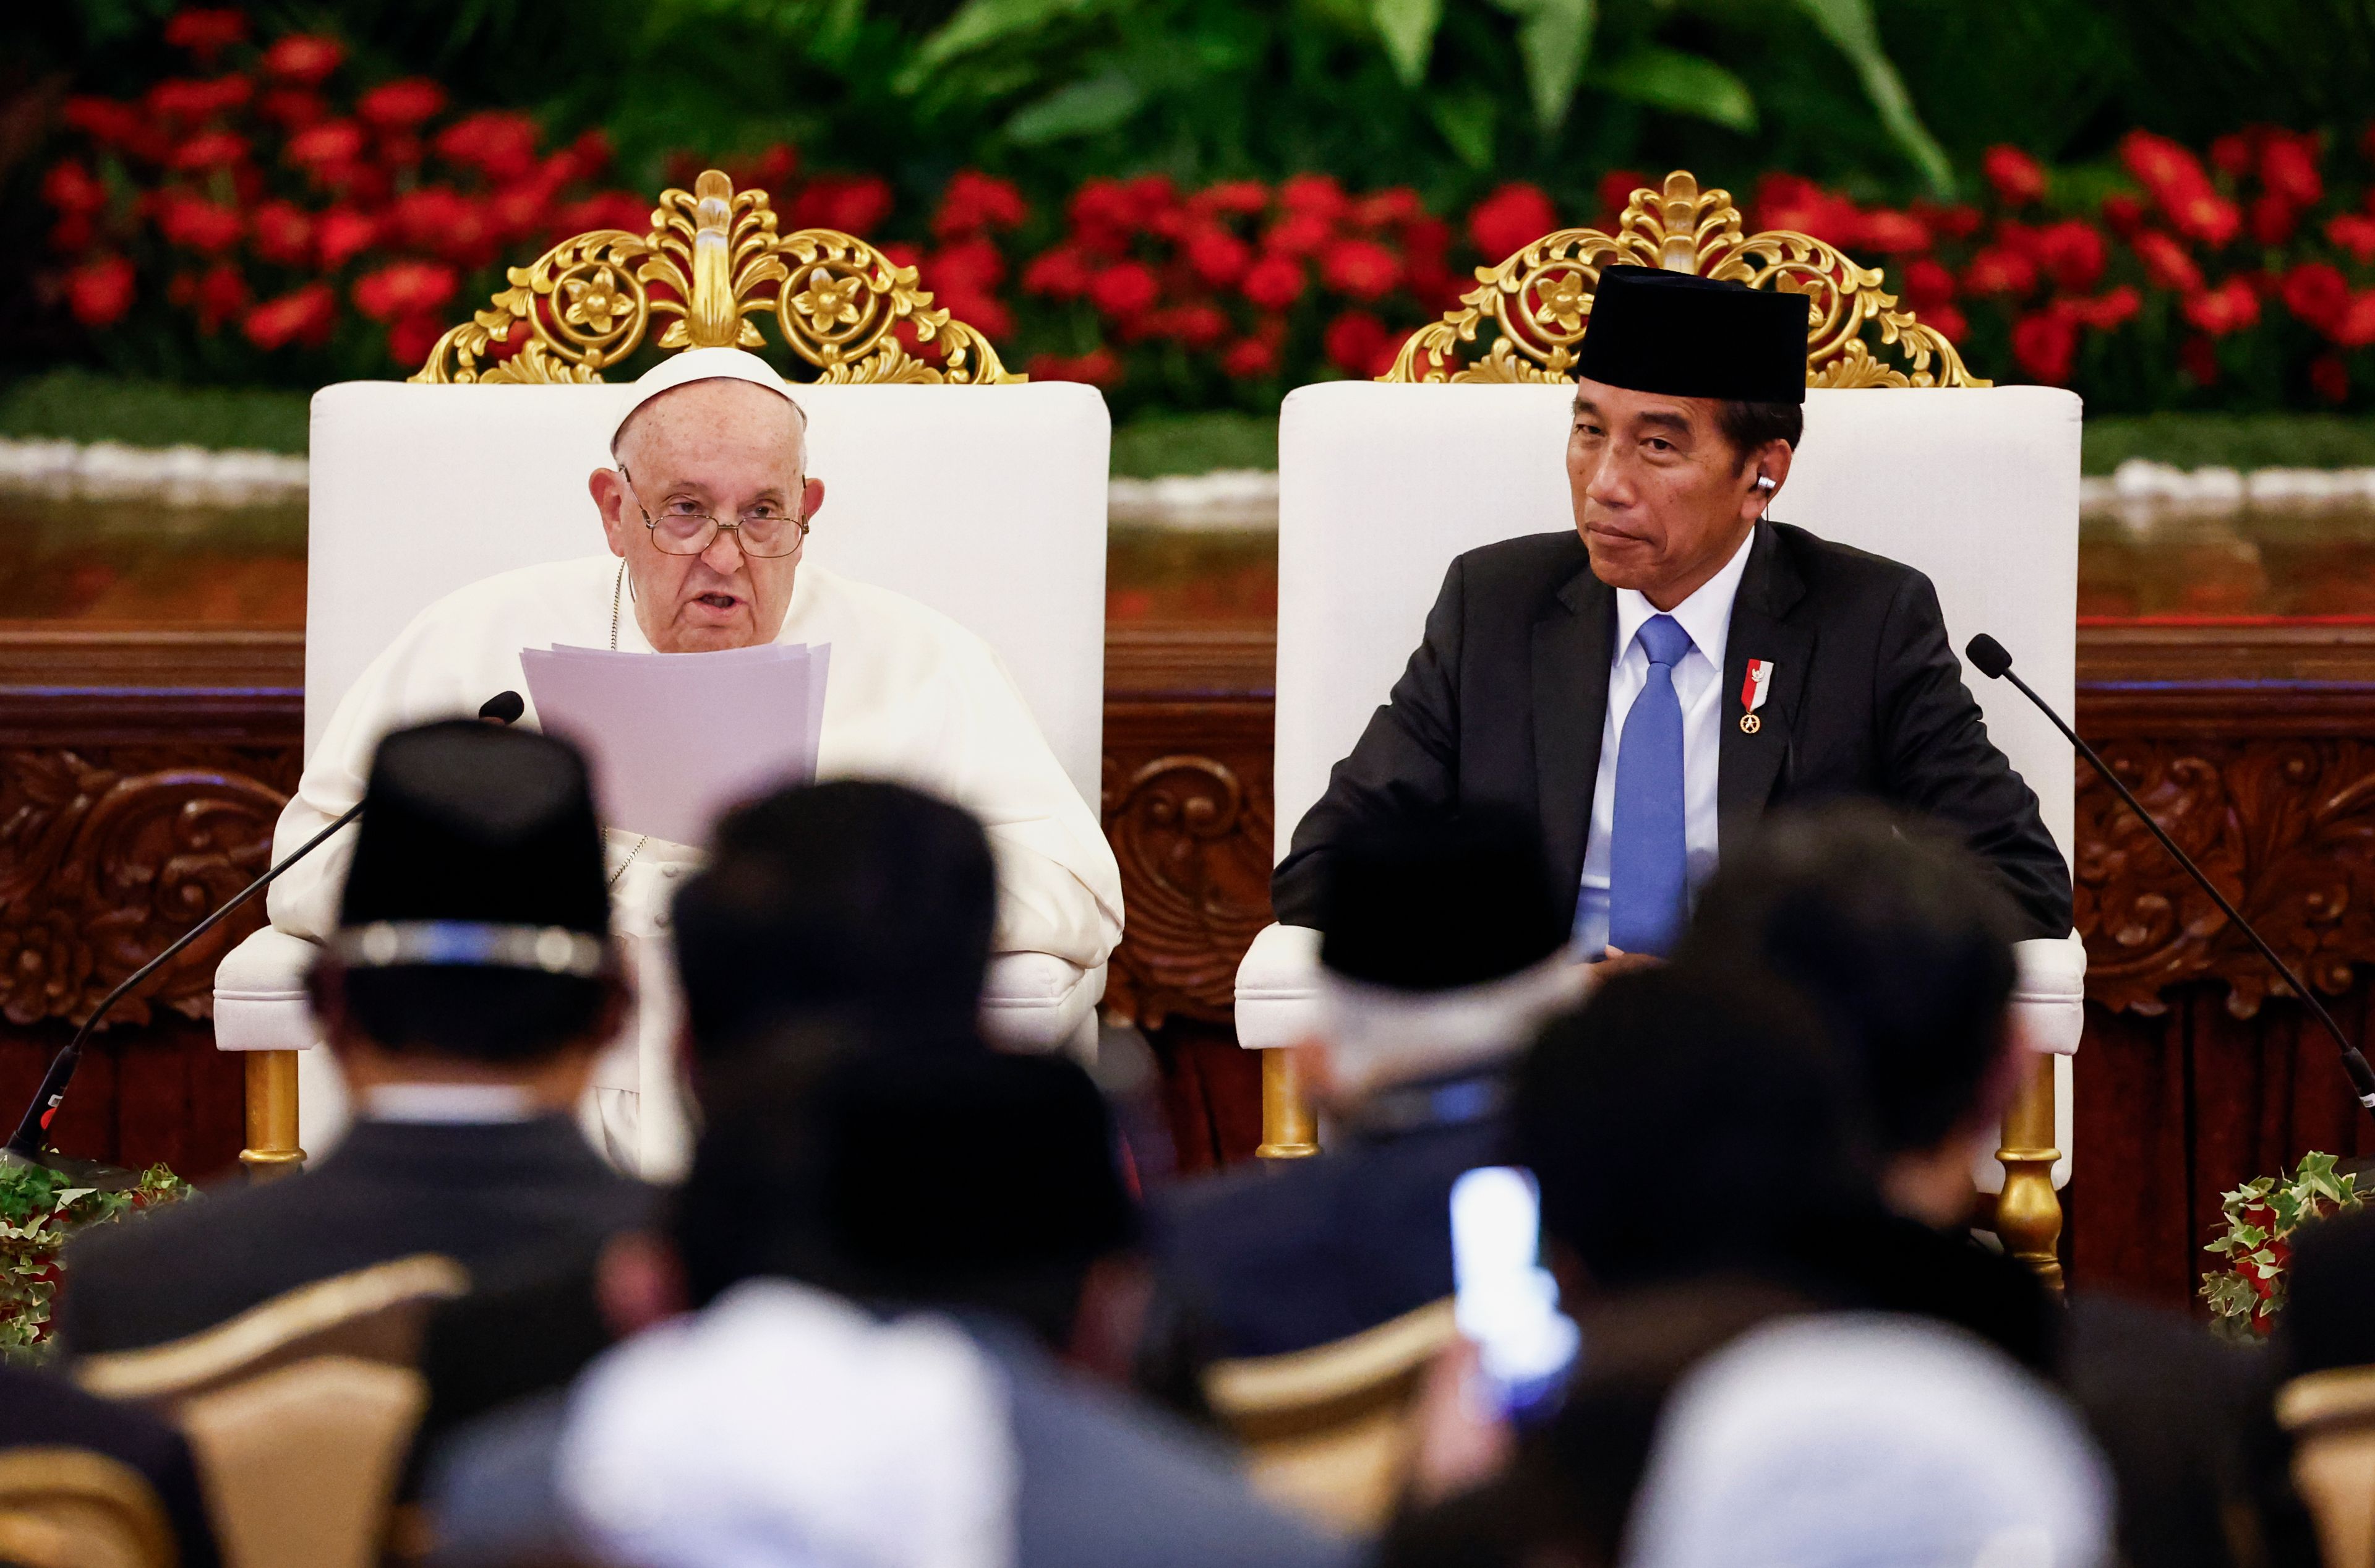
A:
(1857, 1439)
(474, 938)
(1442, 949)
(1682, 1124)
(1902, 945)
(975, 1180)
(853, 898)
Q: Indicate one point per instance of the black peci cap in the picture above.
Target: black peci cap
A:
(1688, 336)
(473, 823)
(1435, 905)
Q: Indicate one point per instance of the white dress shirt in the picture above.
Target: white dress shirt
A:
(1698, 681)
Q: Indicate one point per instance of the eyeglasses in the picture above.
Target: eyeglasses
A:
(682, 529)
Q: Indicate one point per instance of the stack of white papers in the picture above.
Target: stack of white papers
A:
(674, 739)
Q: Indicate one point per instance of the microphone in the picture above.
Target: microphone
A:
(1991, 659)
(25, 1143)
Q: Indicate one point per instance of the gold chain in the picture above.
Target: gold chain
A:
(617, 588)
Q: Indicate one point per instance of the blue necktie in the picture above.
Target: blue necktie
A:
(1647, 888)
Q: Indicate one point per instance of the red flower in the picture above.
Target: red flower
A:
(1249, 358)
(1509, 219)
(1958, 221)
(2357, 328)
(292, 109)
(1928, 285)
(445, 222)
(1097, 367)
(401, 105)
(1217, 256)
(1103, 213)
(1242, 196)
(2231, 153)
(1297, 234)
(404, 289)
(1318, 194)
(205, 33)
(2288, 169)
(2109, 309)
(1616, 188)
(210, 149)
(190, 101)
(973, 266)
(303, 316)
(851, 203)
(2230, 307)
(1194, 326)
(304, 58)
(1125, 289)
(1360, 344)
(1360, 269)
(105, 120)
(974, 202)
(218, 294)
(196, 223)
(2123, 212)
(2317, 293)
(2045, 344)
(1274, 282)
(2162, 167)
(71, 188)
(2165, 262)
(331, 143)
(1060, 273)
(2072, 253)
(2017, 178)
(1385, 209)
(2198, 356)
(2354, 232)
(1947, 319)
(1895, 233)
(2000, 270)
(604, 209)
(2330, 378)
(100, 290)
(343, 234)
(978, 309)
(1790, 201)
(409, 340)
(282, 232)
(499, 144)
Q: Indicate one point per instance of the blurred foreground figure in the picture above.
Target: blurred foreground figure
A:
(854, 900)
(42, 1410)
(887, 1362)
(468, 988)
(1900, 941)
(1444, 948)
(1840, 1442)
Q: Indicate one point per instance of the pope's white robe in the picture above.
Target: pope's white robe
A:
(911, 696)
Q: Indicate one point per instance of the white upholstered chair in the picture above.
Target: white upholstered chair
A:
(1381, 484)
(986, 503)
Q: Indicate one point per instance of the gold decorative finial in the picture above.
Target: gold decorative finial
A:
(1540, 298)
(710, 260)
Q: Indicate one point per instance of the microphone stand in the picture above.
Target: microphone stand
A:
(1990, 658)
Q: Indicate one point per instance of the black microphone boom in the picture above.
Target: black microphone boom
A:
(33, 1127)
(1991, 659)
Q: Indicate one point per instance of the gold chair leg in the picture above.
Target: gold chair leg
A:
(1290, 1125)
(2028, 1211)
(272, 1151)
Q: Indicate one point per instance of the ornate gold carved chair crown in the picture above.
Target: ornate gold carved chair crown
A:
(1381, 484)
(951, 480)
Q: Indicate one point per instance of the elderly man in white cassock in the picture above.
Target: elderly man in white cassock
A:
(705, 512)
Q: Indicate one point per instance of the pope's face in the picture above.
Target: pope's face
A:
(1661, 497)
(734, 450)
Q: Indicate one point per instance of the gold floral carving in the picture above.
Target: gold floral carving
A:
(710, 263)
(1539, 301)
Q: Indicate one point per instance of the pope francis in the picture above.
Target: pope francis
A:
(705, 512)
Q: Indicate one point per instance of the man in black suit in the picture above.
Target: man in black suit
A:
(1443, 951)
(1680, 664)
(471, 985)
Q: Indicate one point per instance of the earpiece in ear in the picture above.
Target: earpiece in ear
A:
(1765, 482)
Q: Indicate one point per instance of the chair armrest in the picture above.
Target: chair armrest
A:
(260, 995)
(1039, 1002)
(2049, 993)
(1278, 989)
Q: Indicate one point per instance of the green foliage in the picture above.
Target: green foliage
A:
(1156, 444)
(40, 1209)
(2261, 1216)
(2232, 440)
(78, 404)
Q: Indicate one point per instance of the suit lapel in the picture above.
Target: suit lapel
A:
(1570, 682)
(1747, 764)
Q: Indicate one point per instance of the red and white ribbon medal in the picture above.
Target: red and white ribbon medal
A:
(1752, 694)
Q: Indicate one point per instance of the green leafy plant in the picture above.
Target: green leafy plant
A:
(40, 1211)
(2261, 1217)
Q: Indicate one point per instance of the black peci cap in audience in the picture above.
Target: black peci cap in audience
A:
(1437, 904)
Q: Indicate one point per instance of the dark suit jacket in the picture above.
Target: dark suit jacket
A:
(38, 1411)
(1264, 1262)
(480, 1195)
(1506, 698)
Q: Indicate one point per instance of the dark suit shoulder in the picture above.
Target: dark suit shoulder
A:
(1828, 565)
(1531, 566)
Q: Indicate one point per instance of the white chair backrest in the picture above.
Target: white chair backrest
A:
(986, 503)
(1381, 484)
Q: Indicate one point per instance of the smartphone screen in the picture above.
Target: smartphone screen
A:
(1506, 1302)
